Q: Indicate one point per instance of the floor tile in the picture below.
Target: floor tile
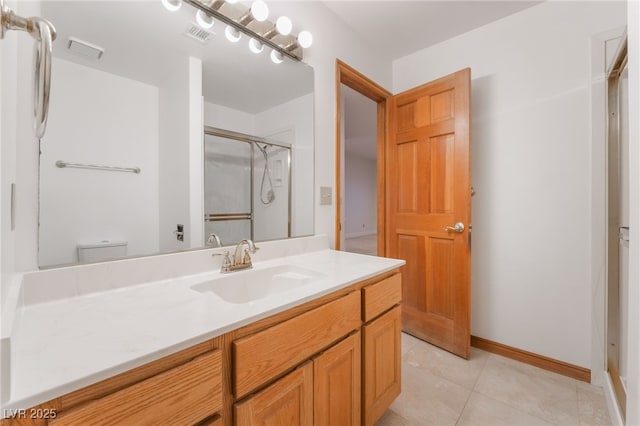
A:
(592, 407)
(530, 389)
(427, 399)
(446, 365)
(409, 342)
(367, 244)
(391, 418)
(484, 411)
(436, 390)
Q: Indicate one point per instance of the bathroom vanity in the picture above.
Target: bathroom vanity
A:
(321, 345)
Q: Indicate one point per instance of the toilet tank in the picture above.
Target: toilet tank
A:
(103, 250)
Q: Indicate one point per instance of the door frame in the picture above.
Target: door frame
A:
(357, 81)
(613, 187)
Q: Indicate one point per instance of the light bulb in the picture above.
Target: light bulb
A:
(276, 57)
(204, 20)
(305, 39)
(260, 10)
(255, 46)
(232, 34)
(284, 25)
(172, 5)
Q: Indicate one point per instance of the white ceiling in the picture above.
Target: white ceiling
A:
(143, 41)
(398, 28)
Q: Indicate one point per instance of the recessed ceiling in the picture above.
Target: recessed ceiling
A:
(398, 28)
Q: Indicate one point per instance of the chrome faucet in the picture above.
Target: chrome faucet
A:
(241, 257)
(213, 240)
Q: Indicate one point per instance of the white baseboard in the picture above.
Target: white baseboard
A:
(612, 405)
(359, 234)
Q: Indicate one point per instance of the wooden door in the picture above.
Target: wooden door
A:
(429, 191)
(289, 401)
(382, 364)
(336, 382)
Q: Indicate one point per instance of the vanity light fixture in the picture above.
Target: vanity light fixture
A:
(284, 25)
(204, 20)
(277, 57)
(305, 39)
(255, 46)
(172, 5)
(260, 10)
(232, 34)
(254, 23)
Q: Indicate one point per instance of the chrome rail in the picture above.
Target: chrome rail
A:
(61, 164)
(226, 216)
(44, 33)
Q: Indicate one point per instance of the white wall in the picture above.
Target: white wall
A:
(360, 195)
(88, 206)
(180, 149)
(196, 149)
(531, 283)
(633, 353)
(332, 40)
(227, 118)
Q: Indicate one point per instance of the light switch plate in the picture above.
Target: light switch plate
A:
(326, 197)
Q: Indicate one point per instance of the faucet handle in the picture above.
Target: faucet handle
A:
(247, 257)
(226, 261)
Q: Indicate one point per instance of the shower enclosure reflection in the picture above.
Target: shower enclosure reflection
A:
(247, 187)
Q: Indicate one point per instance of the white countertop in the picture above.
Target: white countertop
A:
(66, 344)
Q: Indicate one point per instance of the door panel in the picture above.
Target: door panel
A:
(288, 401)
(428, 175)
(337, 378)
(382, 364)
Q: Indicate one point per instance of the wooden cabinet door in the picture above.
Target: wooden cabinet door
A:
(289, 401)
(337, 384)
(382, 362)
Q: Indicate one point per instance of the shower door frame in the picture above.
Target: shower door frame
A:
(252, 140)
(612, 328)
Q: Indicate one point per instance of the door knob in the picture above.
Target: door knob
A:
(458, 227)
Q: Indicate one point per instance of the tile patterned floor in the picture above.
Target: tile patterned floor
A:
(439, 388)
(363, 245)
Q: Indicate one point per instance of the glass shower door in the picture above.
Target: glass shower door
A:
(271, 191)
(227, 189)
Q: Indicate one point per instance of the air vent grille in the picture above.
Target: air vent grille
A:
(197, 33)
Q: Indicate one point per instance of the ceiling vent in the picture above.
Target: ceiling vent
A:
(86, 50)
(197, 33)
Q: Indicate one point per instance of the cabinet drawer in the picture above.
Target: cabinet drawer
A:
(182, 395)
(381, 296)
(260, 357)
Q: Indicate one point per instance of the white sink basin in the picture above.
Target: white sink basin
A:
(254, 284)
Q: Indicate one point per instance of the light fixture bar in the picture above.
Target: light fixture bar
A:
(289, 50)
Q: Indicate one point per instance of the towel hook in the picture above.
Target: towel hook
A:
(44, 33)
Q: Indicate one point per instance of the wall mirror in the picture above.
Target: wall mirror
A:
(133, 88)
